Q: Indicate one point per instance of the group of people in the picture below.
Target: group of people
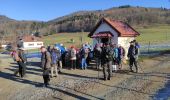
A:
(107, 56)
(110, 57)
(53, 59)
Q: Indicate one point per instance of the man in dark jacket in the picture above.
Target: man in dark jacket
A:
(21, 62)
(46, 65)
(133, 56)
(97, 54)
(106, 61)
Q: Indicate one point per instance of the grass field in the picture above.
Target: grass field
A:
(156, 34)
(65, 38)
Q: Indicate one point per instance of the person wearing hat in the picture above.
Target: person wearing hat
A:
(133, 56)
(21, 60)
(46, 65)
(54, 60)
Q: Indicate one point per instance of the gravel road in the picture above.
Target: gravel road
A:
(84, 84)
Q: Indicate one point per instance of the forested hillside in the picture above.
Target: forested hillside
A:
(85, 20)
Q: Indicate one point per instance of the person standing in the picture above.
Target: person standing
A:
(97, 54)
(46, 65)
(54, 60)
(84, 54)
(21, 60)
(87, 47)
(115, 57)
(133, 56)
(73, 57)
(107, 56)
(59, 59)
(121, 54)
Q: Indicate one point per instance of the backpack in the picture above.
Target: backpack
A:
(16, 57)
(22, 56)
(54, 57)
(58, 52)
(108, 53)
(116, 53)
(72, 53)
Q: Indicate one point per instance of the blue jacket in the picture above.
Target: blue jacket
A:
(116, 53)
(54, 57)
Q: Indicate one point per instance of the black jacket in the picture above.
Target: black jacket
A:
(133, 52)
(106, 55)
(22, 56)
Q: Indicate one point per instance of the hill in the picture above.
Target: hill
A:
(4, 19)
(85, 20)
(10, 29)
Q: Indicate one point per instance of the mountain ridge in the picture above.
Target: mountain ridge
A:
(86, 20)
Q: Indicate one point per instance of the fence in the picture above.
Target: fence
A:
(153, 48)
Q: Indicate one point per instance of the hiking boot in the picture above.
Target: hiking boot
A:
(105, 79)
(131, 71)
(59, 72)
(136, 71)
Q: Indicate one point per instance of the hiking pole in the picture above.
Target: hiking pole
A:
(98, 71)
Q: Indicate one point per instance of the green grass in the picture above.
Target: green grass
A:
(154, 34)
(65, 38)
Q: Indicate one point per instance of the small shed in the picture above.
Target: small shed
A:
(113, 31)
(30, 42)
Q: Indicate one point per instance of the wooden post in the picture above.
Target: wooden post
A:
(149, 47)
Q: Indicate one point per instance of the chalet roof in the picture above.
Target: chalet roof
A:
(123, 29)
(106, 34)
(30, 38)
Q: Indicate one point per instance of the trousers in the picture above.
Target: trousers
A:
(133, 61)
(107, 70)
(22, 68)
(54, 68)
(46, 77)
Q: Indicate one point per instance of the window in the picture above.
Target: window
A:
(39, 43)
(31, 44)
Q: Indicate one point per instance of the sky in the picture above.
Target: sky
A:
(45, 10)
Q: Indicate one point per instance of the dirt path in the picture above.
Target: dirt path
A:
(80, 84)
